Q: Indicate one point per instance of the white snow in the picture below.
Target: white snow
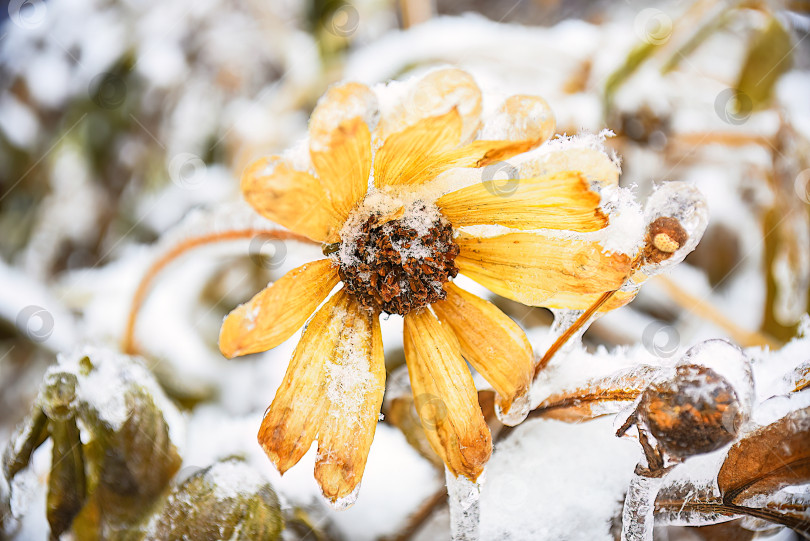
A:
(234, 478)
(104, 388)
(535, 479)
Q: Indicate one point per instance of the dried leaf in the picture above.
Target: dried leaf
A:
(602, 396)
(401, 413)
(768, 459)
(689, 503)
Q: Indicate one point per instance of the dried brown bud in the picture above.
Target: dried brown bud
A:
(695, 412)
(665, 236)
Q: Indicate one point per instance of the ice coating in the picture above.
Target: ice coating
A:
(341, 504)
(339, 104)
(777, 407)
(693, 481)
(519, 409)
(686, 204)
(625, 231)
(585, 140)
(535, 118)
(639, 506)
(463, 497)
(576, 368)
(731, 363)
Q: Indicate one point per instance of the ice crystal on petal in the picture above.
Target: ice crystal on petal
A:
(341, 504)
(521, 405)
(687, 205)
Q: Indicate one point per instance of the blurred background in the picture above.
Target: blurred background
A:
(125, 125)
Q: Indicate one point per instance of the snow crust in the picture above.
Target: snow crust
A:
(104, 388)
(234, 478)
(535, 479)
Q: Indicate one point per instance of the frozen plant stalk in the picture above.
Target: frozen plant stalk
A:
(639, 505)
(464, 497)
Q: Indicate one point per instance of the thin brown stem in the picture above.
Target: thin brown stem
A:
(732, 139)
(704, 310)
(570, 331)
(144, 287)
(421, 516)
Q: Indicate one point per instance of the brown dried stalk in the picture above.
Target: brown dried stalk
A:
(128, 342)
(704, 310)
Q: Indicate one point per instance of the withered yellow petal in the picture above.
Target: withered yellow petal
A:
(355, 383)
(531, 268)
(595, 165)
(436, 93)
(293, 420)
(445, 396)
(291, 198)
(520, 124)
(406, 157)
(492, 343)
(340, 142)
(276, 312)
(559, 201)
(581, 301)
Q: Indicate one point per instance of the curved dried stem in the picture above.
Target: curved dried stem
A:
(128, 341)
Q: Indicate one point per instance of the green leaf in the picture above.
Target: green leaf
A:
(769, 56)
(66, 482)
(214, 504)
(634, 59)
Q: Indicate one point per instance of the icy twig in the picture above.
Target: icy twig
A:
(464, 496)
(639, 506)
(732, 139)
(128, 342)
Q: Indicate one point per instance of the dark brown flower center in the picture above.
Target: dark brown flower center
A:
(399, 265)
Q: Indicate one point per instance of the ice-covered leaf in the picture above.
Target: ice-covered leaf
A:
(767, 459)
(229, 500)
(693, 502)
(696, 504)
(601, 396)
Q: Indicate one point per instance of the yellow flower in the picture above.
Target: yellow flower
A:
(371, 193)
